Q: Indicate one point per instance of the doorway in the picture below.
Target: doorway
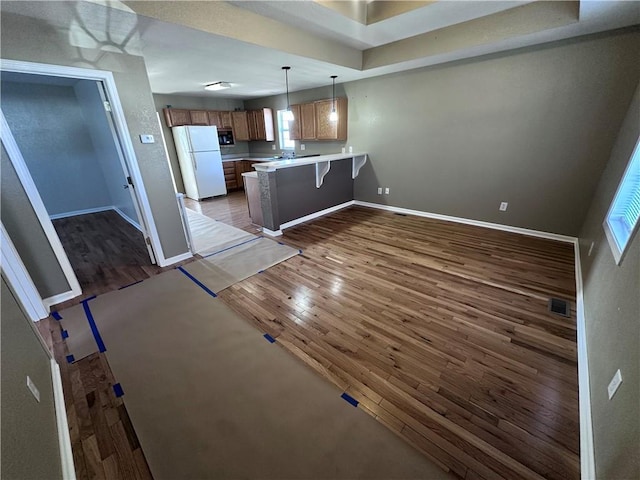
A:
(73, 162)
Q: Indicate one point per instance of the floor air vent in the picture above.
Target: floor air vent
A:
(560, 307)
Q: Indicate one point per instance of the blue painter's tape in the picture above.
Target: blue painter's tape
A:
(90, 298)
(280, 243)
(71, 358)
(131, 284)
(300, 251)
(269, 338)
(350, 399)
(92, 324)
(260, 271)
(65, 334)
(232, 246)
(197, 282)
(56, 315)
(117, 389)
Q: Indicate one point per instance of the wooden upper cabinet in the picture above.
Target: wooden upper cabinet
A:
(214, 118)
(175, 117)
(307, 121)
(199, 117)
(261, 124)
(294, 125)
(327, 129)
(240, 126)
(225, 120)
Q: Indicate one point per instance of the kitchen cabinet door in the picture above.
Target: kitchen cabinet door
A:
(327, 129)
(214, 118)
(243, 166)
(199, 117)
(240, 126)
(261, 124)
(307, 121)
(225, 119)
(230, 177)
(294, 125)
(175, 117)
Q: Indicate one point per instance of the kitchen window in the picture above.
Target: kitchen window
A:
(622, 220)
(283, 133)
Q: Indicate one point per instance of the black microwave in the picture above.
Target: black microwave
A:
(225, 137)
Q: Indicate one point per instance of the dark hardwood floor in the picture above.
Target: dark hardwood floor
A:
(441, 332)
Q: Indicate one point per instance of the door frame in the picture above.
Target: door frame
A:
(125, 142)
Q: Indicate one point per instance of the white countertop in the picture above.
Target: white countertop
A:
(248, 157)
(271, 166)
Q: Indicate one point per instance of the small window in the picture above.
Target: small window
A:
(622, 220)
(283, 133)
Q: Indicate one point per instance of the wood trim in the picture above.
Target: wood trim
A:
(13, 151)
(20, 281)
(64, 439)
(466, 221)
(587, 450)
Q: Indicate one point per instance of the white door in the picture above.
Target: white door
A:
(209, 174)
(130, 185)
(203, 139)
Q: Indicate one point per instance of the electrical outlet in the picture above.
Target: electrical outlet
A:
(34, 390)
(303, 146)
(350, 149)
(591, 249)
(614, 384)
(503, 206)
(379, 190)
(273, 147)
(386, 190)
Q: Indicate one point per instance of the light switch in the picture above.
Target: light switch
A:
(147, 139)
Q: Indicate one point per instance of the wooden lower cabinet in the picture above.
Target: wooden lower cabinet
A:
(230, 177)
(233, 171)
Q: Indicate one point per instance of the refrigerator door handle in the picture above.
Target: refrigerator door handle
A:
(195, 163)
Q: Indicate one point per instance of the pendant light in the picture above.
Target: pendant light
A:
(333, 116)
(287, 116)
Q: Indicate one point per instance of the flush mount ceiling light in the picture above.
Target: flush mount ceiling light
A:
(217, 86)
(287, 116)
(333, 116)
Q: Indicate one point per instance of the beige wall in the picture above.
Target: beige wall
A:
(27, 235)
(194, 103)
(35, 40)
(612, 313)
(533, 127)
(29, 432)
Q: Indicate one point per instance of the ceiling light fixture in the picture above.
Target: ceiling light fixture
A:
(217, 86)
(288, 114)
(333, 116)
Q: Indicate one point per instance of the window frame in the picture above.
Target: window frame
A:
(619, 251)
(281, 130)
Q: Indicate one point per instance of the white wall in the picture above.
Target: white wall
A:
(106, 153)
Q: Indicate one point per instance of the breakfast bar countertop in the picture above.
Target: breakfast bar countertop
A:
(271, 166)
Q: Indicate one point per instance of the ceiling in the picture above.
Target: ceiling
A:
(189, 44)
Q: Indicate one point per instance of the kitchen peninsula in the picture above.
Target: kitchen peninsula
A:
(298, 189)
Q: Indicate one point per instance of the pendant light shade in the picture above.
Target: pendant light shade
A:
(333, 116)
(287, 116)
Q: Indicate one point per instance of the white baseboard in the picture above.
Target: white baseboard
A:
(64, 439)
(272, 233)
(81, 212)
(165, 262)
(587, 451)
(127, 219)
(61, 297)
(96, 210)
(318, 214)
(466, 221)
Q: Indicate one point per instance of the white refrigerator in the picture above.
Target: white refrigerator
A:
(200, 161)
